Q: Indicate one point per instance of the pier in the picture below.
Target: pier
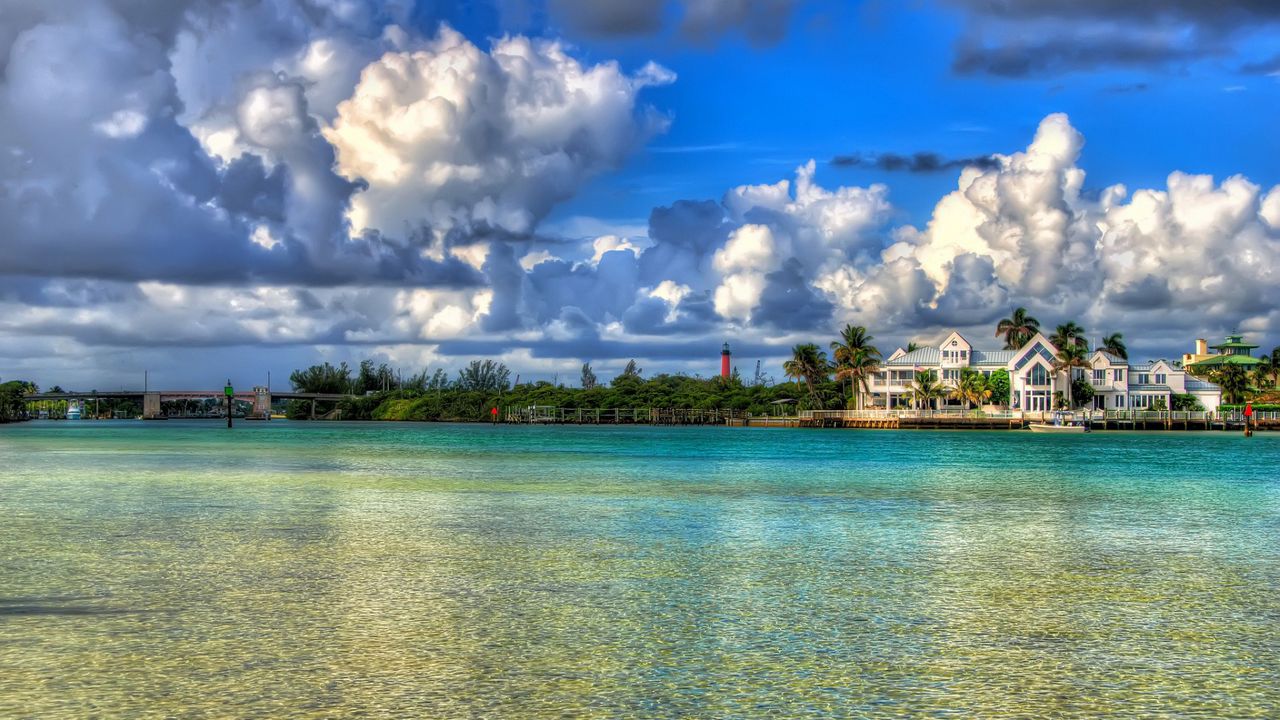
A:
(904, 419)
(261, 398)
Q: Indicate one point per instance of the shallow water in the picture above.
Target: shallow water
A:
(392, 570)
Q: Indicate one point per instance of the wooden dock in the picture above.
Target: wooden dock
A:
(887, 419)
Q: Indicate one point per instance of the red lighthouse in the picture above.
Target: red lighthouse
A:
(724, 361)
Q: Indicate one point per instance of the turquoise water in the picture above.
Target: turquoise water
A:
(402, 570)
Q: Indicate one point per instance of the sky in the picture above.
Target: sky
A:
(234, 188)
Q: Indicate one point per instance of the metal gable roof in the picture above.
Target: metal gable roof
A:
(992, 357)
(922, 356)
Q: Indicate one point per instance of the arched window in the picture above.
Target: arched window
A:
(1038, 376)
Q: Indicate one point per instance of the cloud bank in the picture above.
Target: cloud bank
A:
(1051, 37)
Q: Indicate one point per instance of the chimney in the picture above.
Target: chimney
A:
(1202, 346)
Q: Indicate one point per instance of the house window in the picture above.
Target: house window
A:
(1038, 376)
(1119, 401)
(964, 354)
(951, 374)
(1144, 378)
(1160, 378)
(1117, 375)
(1099, 375)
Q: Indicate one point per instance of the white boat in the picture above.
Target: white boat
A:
(1062, 423)
(1051, 428)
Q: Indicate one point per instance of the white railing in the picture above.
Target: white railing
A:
(1090, 415)
(907, 414)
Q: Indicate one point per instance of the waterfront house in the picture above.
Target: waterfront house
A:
(1117, 384)
(1235, 351)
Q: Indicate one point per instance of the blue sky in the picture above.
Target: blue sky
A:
(203, 181)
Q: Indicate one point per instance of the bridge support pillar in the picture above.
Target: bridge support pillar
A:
(261, 402)
(151, 406)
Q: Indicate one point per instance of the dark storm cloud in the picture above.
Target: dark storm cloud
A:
(1265, 67)
(685, 236)
(1052, 56)
(762, 22)
(1022, 38)
(1148, 293)
(702, 348)
(921, 162)
(1126, 90)
(41, 292)
(790, 303)
(1218, 13)
(248, 188)
(650, 316)
(610, 17)
(610, 285)
(973, 296)
(506, 277)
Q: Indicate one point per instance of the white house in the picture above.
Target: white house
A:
(1033, 381)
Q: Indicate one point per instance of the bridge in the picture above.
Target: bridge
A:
(262, 397)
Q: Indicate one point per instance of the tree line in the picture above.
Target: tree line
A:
(815, 380)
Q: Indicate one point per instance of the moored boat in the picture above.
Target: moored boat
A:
(1051, 428)
(1061, 423)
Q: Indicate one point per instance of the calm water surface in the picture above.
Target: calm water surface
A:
(399, 570)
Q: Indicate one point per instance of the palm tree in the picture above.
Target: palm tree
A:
(1017, 329)
(1070, 356)
(1068, 334)
(808, 363)
(1261, 375)
(913, 346)
(1234, 382)
(975, 386)
(1114, 344)
(855, 358)
(926, 388)
(1267, 372)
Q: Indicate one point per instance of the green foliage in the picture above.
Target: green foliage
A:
(1268, 407)
(856, 359)
(809, 365)
(1000, 386)
(375, 379)
(1234, 382)
(1017, 329)
(324, 378)
(926, 388)
(1068, 334)
(1114, 344)
(12, 404)
(1081, 391)
(1187, 402)
(484, 376)
(589, 380)
(457, 404)
(1071, 355)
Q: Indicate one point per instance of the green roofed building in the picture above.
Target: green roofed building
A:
(1235, 351)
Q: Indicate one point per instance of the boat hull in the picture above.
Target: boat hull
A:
(1062, 429)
